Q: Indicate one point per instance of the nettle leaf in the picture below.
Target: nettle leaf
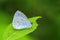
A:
(12, 34)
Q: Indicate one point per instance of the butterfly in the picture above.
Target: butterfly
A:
(20, 21)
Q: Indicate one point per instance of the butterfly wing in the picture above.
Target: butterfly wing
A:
(20, 21)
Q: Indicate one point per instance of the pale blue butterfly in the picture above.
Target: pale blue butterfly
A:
(20, 21)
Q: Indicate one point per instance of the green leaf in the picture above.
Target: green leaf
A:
(12, 34)
(26, 38)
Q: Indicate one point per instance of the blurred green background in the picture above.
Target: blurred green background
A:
(49, 24)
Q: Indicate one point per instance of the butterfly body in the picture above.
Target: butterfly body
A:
(20, 21)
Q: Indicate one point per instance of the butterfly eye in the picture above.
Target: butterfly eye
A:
(31, 23)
